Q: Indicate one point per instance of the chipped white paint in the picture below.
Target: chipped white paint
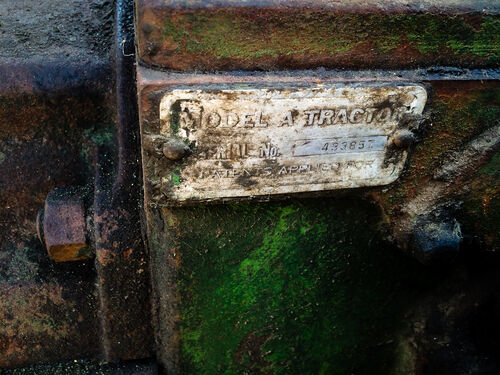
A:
(253, 142)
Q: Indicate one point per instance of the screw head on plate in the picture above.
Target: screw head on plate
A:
(175, 149)
(404, 138)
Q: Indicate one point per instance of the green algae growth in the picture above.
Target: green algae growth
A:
(301, 287)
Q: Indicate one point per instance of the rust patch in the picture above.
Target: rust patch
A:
(269, 37)
(105, 257)
(40, 322)
(127, 254)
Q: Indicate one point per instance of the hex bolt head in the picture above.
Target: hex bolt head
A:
(147, 28)
(61, 226)
(175, 149)
(404, 138)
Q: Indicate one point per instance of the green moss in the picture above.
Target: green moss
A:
(175, 176)
(389, 43)
(18, 265)
(229, 34)
(485, 42)
(174, 33)
(481, 216)
(99, 135)
(493, 167)
(226, 35)
(303, 287)
(175, 117)
(481, 213)
(431, 34)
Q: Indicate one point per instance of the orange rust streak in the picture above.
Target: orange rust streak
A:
(66, 253)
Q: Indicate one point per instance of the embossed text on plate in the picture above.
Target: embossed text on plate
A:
(261, 141)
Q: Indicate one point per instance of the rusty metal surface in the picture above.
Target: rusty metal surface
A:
(50, 30)
(156, 77)
(450, 187)
(64, 123)
(48, 312)
(154, 85)
(121, 257)
(428, 222)
(275, 35)
(57, 108)
(199, 278)
(367, 5)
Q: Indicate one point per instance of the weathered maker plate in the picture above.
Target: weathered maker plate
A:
(254, 142)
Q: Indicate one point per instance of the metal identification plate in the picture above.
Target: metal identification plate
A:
(254, 142)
